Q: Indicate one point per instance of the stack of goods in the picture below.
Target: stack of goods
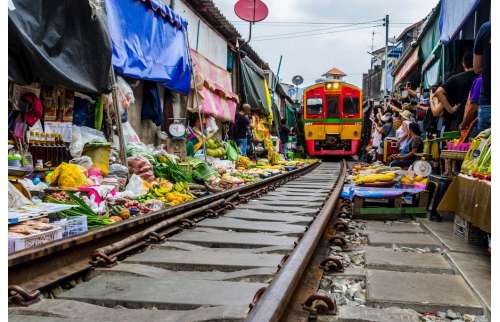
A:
(376, 174)
(32, 233)
(477, 162)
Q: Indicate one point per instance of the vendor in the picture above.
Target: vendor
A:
(403, 132)
(408, 152)
(242, 127)
(284, 134)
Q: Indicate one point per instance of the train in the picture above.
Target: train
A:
(333, 119)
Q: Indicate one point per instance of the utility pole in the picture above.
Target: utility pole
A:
(371, 57)
(386, 24)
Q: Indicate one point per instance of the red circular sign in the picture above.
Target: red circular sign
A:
(251, 10)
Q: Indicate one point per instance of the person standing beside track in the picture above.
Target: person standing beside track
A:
(284, 134)
(454, 92)
(482, 64)
(242, 127)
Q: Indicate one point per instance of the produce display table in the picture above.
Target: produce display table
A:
(469, 198)
(387, 203)
(451, 158)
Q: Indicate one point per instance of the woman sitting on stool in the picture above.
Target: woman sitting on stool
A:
(408, 152)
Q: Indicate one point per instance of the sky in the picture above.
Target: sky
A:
(322, 46)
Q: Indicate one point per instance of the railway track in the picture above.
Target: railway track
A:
(236, 255)
(286, 249)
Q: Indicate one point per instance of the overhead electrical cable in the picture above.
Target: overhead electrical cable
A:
(274, 37)
(303, 32)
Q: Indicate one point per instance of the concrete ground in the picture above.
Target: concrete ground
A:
(472, 262)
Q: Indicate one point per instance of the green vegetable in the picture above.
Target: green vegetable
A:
(93, 219)
(171, 171)
(99, 113)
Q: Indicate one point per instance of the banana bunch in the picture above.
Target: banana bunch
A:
(409, 180)
(376, 177)
(243, 162)
(160, 189)
(182, 187)
(273, 157)
(175, 198)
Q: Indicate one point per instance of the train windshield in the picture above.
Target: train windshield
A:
(351, 105)
(333, 109)
(314, 106)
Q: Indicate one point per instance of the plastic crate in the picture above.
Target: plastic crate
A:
(465, 231)
(19, 243)
(73, 226)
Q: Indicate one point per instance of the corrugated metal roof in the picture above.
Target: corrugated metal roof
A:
(212, 14)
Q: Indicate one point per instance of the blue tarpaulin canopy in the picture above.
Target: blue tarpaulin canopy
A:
(149, 42)
(453, 16)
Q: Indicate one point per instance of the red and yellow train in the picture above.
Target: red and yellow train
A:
(332, 119)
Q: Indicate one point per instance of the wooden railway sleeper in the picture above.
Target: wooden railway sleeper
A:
(320, 304)
(257, 297)
(332, 264)
(20, 296)
(100, 259)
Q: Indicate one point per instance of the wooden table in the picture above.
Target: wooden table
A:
(469, 198)
(451, 158)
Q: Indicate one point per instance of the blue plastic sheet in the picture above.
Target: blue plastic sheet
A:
(349, 192)
(453, 15)
(149, 43)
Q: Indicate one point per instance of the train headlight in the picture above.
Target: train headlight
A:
(335, 85)
(329, 86)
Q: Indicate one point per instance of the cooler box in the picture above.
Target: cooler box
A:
(390, 147)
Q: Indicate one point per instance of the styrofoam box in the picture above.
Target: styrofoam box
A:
(19, 243)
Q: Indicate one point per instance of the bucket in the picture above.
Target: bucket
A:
(99, 153)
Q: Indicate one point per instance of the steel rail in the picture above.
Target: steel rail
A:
(272, 304)
(41, 267)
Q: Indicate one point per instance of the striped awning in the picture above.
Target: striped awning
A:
(213, 88)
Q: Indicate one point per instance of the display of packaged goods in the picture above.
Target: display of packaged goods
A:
(29, 235)
(73, 226)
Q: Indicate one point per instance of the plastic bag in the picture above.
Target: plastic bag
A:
(118, 170)
(16, 198)
(141, 166)
(68, 175)
(82, 135)
(231, 152)
(84, 161)
(125, 94)
(129, 134)
(136, 188)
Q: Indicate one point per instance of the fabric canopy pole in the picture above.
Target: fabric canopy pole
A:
(54, 42)
(149, 43)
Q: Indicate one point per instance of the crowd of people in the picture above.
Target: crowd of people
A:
(461, 103)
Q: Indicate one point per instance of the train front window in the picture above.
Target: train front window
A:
(333, 109)
(351, 105)
(314, 106)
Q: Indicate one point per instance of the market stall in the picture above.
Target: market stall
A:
(75, 163)
(382, 192)
(469, 194)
